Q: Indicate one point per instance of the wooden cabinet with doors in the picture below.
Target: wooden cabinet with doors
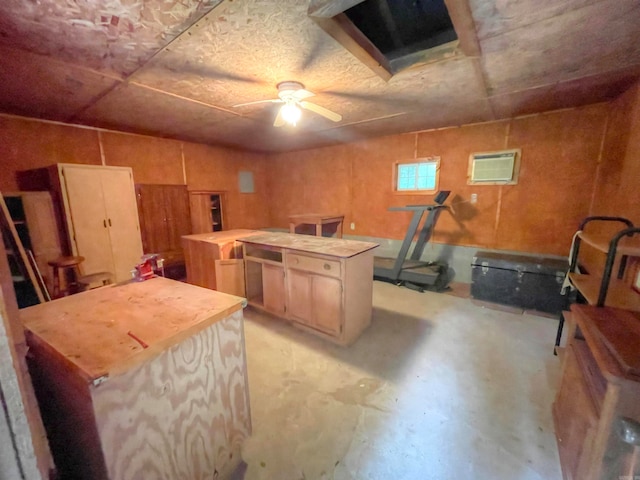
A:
(597, 408)
(164, 219)
(99, 212)
(207, 211)
(315, 291)
(321, 285)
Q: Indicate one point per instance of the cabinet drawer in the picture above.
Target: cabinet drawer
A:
(323, 266)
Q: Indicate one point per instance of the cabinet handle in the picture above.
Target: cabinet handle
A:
(109, 222)
(327, 266)
(104, 222)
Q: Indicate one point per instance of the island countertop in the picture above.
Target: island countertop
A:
(336, 247)
(107, 330)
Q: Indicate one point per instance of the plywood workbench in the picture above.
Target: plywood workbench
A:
(141, 380)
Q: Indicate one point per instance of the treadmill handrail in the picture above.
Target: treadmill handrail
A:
(414, 208)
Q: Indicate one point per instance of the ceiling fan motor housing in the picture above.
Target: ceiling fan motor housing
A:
(287, 90)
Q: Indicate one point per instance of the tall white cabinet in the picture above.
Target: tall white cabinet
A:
(101, 217)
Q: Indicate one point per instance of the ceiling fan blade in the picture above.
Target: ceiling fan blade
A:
(273, 100)
(333, 116)
(380, 98)
(279, 121)
(302, 94)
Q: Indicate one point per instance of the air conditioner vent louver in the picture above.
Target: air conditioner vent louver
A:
(494, 167)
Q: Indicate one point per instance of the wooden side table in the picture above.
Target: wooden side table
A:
(317, 219)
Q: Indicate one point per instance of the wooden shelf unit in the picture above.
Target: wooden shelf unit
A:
(605, 290)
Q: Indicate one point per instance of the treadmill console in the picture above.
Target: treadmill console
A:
(441, 196)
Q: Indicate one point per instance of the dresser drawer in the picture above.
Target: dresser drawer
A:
(322, 266)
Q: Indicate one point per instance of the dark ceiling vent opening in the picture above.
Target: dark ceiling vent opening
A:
(402, 27)
(394, 34)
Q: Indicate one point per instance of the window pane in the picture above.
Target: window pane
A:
(417, 176)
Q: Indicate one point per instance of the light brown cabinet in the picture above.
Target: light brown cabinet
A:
(102, 218)
(315, 300)
(599, 391)
(321, 285)
(164, 219)
(98, 213)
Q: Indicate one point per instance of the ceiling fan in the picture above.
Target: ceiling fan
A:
(293, 95)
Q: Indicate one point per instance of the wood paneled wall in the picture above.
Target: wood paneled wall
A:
(560, 155)
(616, 192)
(28, 143)
(574, 162)
(618, 177)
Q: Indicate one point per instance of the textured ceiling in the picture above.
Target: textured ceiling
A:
(175, 68)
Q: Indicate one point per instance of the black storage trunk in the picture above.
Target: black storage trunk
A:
(531, 283)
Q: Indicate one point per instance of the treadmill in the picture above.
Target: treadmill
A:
(414, 273)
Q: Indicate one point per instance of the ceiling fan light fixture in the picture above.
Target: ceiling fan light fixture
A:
(291, 113)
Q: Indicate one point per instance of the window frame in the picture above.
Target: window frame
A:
(395, 176)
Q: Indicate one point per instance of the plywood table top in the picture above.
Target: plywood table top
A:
(108, 330)
(217, 237)
(336, 247)
(613, 335)
(315, 218)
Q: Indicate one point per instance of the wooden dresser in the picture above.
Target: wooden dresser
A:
(597, 408)
(141, 380)
(322, 285)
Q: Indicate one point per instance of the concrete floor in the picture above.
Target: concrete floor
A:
(436, 388)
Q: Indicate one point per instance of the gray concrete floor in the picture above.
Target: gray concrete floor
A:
(436, 388)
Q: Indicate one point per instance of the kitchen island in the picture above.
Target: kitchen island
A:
(322, 285)
(141, 380)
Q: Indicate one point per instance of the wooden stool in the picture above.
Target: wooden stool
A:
(63, 263)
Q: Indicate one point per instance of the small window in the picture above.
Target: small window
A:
(418, 176)
(494, 168)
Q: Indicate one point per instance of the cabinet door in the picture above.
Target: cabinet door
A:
(575, 418)
(299, 284)
(230, 276)
(122, 217)
(315, 300)
(326, 295)
(87, 219)
(153, 218)
(176, 204)
(273, 288)
(43, 230)
(200, 207)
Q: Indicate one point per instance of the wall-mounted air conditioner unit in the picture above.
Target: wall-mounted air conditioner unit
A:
(494, 168)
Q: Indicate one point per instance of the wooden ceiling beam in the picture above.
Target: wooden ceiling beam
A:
(330, 8)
